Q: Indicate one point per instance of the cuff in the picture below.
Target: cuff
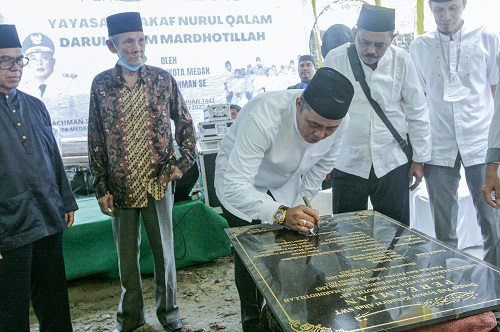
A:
(268, 211)
(493, 155)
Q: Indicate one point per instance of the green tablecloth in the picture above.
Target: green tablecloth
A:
(89, 247)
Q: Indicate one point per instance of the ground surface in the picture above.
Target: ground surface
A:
(206, 295)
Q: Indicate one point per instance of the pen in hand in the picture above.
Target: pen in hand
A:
(315, 229)
(306, 201)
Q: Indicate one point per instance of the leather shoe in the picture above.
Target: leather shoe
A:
(175, 326)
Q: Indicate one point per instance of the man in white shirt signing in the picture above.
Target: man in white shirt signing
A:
(457, 70)
(278, 150)
(371, 163)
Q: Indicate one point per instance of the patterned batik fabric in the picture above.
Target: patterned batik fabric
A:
(139, 149)
(108, 151)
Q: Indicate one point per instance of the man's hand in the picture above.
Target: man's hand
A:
(301, 218)
(417, 173)
(175, 173)
(328, 177)
(70, 218)
(1, 255)
(106, 204)
(491, 187)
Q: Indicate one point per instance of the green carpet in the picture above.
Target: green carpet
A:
(89, 247)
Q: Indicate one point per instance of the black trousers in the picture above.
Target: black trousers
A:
(251, 300)
(389, 194)
(34, 271)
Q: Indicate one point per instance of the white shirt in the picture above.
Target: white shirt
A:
(460, 126)
(368, 141)
(67, 104)
(493, 154)
(57, 86)
(263, 150)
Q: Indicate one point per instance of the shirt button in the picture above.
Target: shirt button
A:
(24, 137)
(13, 111)
(19, 124)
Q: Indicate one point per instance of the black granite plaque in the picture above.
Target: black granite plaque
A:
(363, 272)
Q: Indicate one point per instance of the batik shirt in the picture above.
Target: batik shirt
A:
(110, 140)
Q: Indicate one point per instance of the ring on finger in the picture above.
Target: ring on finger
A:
(303, 222)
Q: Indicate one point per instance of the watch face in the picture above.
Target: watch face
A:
(279, 215)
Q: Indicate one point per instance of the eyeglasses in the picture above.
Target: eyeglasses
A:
(8, 63)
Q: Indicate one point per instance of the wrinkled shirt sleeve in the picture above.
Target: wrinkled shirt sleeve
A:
(416, 111)
(97, 144)
(244, 161)
(185, 134)
(493, 153)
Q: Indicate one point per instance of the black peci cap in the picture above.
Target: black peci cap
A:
(306, 57)
(9, 37)
(124, 22)
(376, 18)
(329, 93)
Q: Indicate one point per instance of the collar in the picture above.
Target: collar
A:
(454, 36)
(117, 73)
(11, 95)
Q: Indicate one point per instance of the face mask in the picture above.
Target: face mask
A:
(454, 89)
(125, 64)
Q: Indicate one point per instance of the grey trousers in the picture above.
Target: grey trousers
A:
(442, 185)
(157, 217)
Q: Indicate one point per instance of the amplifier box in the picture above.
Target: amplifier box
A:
(217, 112)
(213, 130)
(207, 153)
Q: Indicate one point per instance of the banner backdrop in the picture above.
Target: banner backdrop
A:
(218, 50)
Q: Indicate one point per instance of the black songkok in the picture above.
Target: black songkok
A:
(329, 93)
(307, 57)
(9, 37)
(376, 18)
(124, 22)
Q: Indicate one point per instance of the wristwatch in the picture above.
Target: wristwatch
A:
(279, 216)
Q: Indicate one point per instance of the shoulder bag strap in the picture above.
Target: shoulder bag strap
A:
(359, 75)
